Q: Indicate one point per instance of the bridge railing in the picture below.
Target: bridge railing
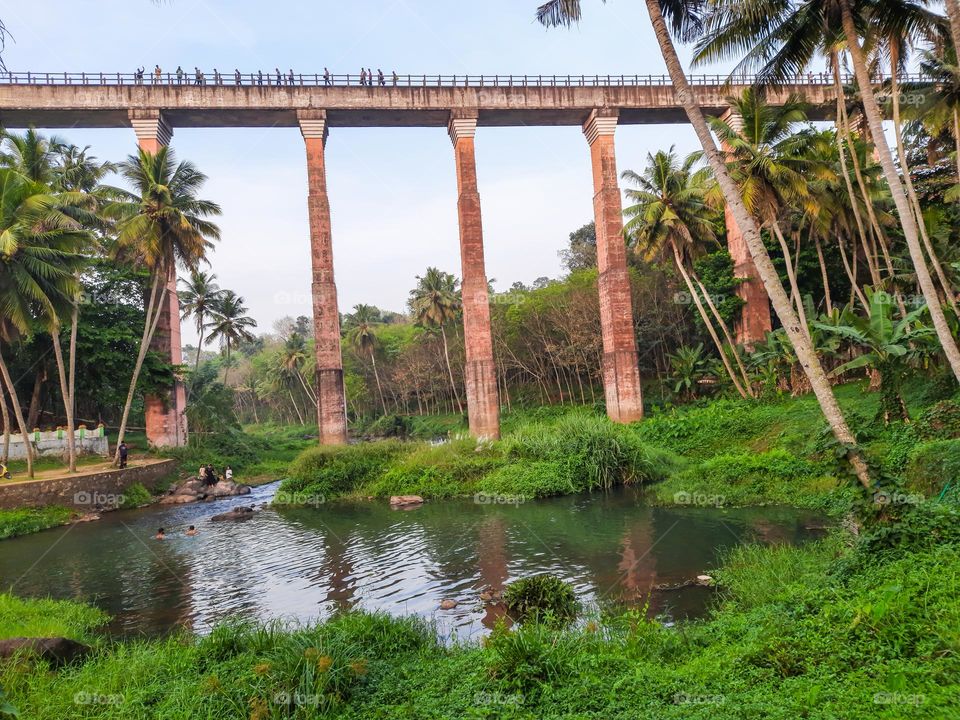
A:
(375, 80)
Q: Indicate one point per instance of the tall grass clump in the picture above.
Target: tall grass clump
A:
(595, 452)
(24, 521)
(47, 618)
(338, 469)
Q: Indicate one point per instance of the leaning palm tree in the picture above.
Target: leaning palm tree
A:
(361, 333)
(159, 224)
(198, 299)
(230, 325)
(784, 39)
(669, 215)
(435, 302)
(38, 266)
(685, 21)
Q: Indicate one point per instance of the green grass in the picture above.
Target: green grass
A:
(24, 521)
(831, 629)
(48, 618)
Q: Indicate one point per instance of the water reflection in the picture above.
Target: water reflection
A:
(308, 563)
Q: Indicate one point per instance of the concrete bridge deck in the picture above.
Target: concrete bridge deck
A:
(103, 100)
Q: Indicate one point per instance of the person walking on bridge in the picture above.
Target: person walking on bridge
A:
(179, 75)
(326, 76)
(380, 78)
(279, 77)
(395, 78)
(290, 77)
(363, 76)
(259, 77)
(157, 73)
(138, 76)
(236, 76)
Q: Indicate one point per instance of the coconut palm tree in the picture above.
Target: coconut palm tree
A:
(230, 325)
(784, 39)
(686, 23)
(198, 299)
(159, 224)
(435, 302)
(669, 215)
(31, 153)
(38, 269)
(361, 332)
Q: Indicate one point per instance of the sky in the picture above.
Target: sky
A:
(392, 191)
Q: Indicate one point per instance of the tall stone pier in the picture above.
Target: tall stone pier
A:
(166, 421)
(621, 374)
(331, 403)
(483, 405)
(754, 322)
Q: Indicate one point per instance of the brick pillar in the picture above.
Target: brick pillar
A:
(621, 375)
(483, 405)
(754, 321)
(331, 403)
(166, 422)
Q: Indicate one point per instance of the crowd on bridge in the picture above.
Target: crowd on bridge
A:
(279, 78)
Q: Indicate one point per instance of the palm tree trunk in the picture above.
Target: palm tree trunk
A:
(823, 274)
(151, 317)
(18, 413)
(908, 183)
(67, 399)
(726, 333)
(791, 276)
(765, 269)
(295, 406)
(226, 367)
(956, 137)
(376, 375)
(446, 355)
(72, 372)
(196, 364)
(953, 14)
(5, 416)
(907, 222)
(706, 319)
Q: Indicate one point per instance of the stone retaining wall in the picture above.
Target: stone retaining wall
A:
(85, 491)
(54, 443)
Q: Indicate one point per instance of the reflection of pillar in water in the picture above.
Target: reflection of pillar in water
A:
(337, 569)
(492, 564)
(638, 566)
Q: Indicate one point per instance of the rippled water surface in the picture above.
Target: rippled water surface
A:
(306, 563)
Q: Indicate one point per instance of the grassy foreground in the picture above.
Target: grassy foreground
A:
(828, 630)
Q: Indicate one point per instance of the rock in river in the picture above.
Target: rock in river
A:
(193, 490)
(405, 500)
(56, 650)
(238, 513)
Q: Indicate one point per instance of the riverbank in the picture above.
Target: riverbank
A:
(722, 453)
(842, 627)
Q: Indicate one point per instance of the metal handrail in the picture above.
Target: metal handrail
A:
(286, 79)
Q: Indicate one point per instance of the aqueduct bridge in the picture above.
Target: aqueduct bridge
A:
(153, 105)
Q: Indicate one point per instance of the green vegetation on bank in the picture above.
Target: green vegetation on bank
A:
(24, 521)
(847, 628)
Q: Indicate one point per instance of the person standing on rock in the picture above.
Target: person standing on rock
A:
(124, 451)
(228, 474)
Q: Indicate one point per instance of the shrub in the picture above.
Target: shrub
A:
(931, 465)
(542, 598)
(939, 422)
(597, 453)
(47, 618)
(533, 656)
(335, 470)
(441, 470)
(135, 496)
(530, 479)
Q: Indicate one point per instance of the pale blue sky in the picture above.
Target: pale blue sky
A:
(392, 191)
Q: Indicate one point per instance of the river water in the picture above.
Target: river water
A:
(306, 563)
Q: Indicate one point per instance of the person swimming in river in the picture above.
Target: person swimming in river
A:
(191, 531)
(160, 535)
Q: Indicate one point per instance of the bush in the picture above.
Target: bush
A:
(135, 496)
(530, 479)
(596, 452)
(939, 422)
(533, 657)
(47, 618)
(544, 598)
(337, 469)
(443, 470)
(931, 465)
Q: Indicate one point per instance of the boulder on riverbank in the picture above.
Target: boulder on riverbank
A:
(400, 501)
(238, 513)
(56, 650)
(194, 490)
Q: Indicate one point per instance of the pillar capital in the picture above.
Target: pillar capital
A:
(313, 124)
(601, 121)
(732, 118)
(462, 124)
(150, 125)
